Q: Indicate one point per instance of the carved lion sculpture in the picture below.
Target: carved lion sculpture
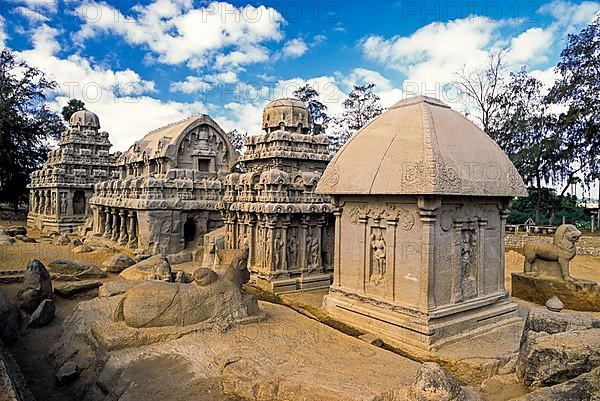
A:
(561, 250)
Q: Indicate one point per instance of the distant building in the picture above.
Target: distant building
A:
(272, 209)
(169, 193)
(61, 189)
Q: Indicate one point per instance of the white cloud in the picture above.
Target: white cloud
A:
(383, 86)
(193, 84)
(3, 35)
(31, 15)
(43, 6)
(434, 52)
(571, 17)
(120, 98)
(294, 48)
(530, 46)
(218, 33)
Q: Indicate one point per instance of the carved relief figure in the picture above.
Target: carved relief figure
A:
(562, 250)
(278, 247)
(268, 249)
(292, 250)
(63, 203)
(379, 258)
(315, 253)
(53, 205)
(466, 286)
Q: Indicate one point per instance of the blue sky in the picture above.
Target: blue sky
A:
(142, 64)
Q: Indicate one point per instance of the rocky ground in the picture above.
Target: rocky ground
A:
(296, 353)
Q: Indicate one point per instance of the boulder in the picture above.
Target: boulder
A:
(67, 373)
(117, 263)
(37, 286)
(576, 294)
(26, 239)
(435, 384)
(541, 320)
(203, 276)
(548, 359)
(75, 243)
(156, 267)
(75, 269)
(42, 315)
(71, 288)
(16, 230)
(83, 249)
(6, 240)
(10, 320)
(62, 240)
(583, 387)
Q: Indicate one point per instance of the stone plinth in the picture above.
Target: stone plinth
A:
(579, 294)
(419, 232)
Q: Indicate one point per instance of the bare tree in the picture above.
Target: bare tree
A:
(479, 87)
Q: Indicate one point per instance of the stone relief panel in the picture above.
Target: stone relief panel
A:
(378, 257)
(466, 262)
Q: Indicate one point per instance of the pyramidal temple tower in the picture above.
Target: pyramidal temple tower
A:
(59, 192)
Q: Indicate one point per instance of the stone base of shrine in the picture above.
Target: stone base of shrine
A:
(292, 284)
(48, 224)
(430, 331)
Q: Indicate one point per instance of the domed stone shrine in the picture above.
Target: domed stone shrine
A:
(60, 191)
(421, 197)
(272, 208)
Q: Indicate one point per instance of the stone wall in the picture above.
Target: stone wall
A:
(587, 245)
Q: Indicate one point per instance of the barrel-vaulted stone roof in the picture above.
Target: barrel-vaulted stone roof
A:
(420, 146)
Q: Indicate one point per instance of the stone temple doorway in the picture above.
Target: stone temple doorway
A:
(79, 202)
(189, 230)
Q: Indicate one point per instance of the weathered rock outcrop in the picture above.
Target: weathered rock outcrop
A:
(585, 387)
(37, 286)
(117, 263)
(156, 267)
(9, 320)
(42, 315)
(69, 269)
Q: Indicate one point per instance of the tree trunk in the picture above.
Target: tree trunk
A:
(538, 201)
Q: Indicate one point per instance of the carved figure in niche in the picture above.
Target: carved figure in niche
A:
(278, 247)
(268, 249)
(63, 203)
(561, 251)
(379, 258)
(292, 250)
(466, 287)
(53, 206)
(315, 253)
(34, 203)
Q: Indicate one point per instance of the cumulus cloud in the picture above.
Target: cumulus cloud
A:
(427, 55)
(193, 84)
(531, 46)
(176, 32)
(31, 15)
(43, 6)
(294, 48)
(3, 35)
(121, 98)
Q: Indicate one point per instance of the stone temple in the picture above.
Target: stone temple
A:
(169, 193)
(421, 197)
(273, 209)
(60, 191)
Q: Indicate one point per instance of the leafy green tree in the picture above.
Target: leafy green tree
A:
(553, 208)
(237, 139)
(578, 89)
(72, 106)
(361, 106)
(26, 124)
(318, 111)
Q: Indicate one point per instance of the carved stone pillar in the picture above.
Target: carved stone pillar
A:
(283, 250)
(504, 212)
(482, 225)
(132, 229)
(337, 266)
(101, 221)
(364, 246)
(428, 216)
(123, 238)
(108, 223)
(251, 241)
(392, 224)
(302, 255)
(115, 225)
